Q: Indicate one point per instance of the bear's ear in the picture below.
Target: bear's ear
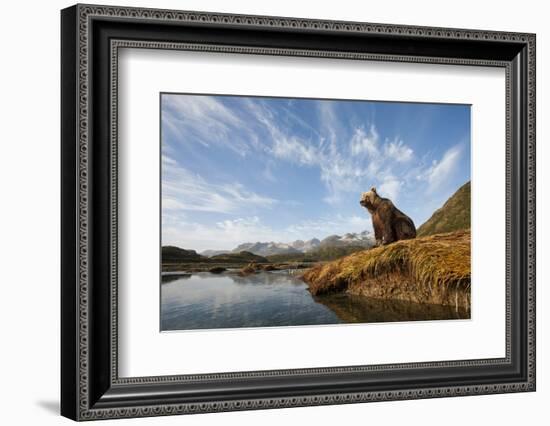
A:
(373, 189)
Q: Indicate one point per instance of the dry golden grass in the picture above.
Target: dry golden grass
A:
(437, 260)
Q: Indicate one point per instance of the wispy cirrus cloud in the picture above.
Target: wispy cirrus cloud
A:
(256, 128)
(207, 121)
(440, 170)
(398, 151)
(363, 142)
(293, 149)
(183, 190)
(391, 187)
(343, 167)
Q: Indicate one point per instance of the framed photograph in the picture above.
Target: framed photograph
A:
(263, 212)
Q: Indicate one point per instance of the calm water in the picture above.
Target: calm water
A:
(268, 299)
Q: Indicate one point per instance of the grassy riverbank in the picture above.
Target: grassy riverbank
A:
(433, 269)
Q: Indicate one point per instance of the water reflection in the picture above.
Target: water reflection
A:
(267, 299)
(169, 277)
(231, 301)
(354, 309)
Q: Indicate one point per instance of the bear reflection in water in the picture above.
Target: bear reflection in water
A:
(355, 309)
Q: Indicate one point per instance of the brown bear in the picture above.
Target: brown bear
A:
(389, 223)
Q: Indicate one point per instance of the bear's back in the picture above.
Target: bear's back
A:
(385, 207)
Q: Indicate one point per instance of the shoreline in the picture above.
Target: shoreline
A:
(171, 268)
(431, 270)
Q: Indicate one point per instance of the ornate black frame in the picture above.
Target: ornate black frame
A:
(91, 37)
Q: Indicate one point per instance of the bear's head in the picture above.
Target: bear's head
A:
(370, 199)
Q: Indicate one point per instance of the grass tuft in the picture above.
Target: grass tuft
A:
(435, 261)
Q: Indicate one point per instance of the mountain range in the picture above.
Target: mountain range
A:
(361, 239)
(454, 215)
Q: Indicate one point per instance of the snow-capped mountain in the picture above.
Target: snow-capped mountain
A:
(266, 249)
(363, 239)
(304, 246)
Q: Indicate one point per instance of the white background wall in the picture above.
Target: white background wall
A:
(29, 216)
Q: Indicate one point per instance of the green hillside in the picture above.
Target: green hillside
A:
(172, 254)
(241, 257)
(319, 254)
(453, 216)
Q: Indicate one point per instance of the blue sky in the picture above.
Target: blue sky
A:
(245, 169)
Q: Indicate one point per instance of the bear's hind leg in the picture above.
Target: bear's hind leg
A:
(389, 234)
(404, 230)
